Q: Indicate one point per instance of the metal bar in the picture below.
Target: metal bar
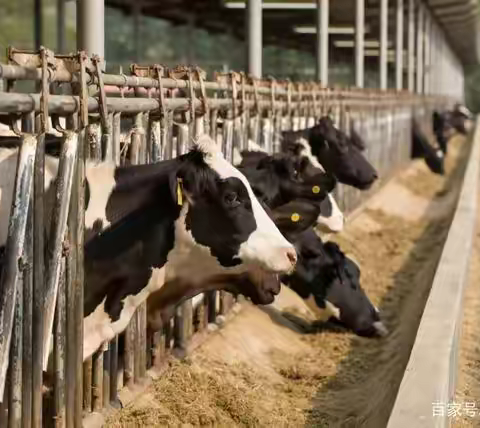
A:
(427, 50)
(15, 369)
(38, 280)
(59, 350)
(37, 24)
(61, 35)
(360, 43)
(129, 354)
(116, 138)
(90, 27)
(14, 248)
(113, 368)
(383, 44)
(97, 380)
(87, 384)
(142, 335)
(106, 376)
(411, 46)
(322, 21)
(399, 46)
(420, 57)
(63, 189)
(136, 347)
(254, 20)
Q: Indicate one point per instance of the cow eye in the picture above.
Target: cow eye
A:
(231, 199)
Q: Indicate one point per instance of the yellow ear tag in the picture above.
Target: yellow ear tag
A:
(179, 192)
(295, 217)
(316, 189)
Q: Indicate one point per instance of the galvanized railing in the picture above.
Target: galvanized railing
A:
(145, 117)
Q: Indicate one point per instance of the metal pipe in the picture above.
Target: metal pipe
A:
(90, 27)
(37, 24)
(427, 50)
(61, 37)
(399, 46)
(323, 18)
(420, 56)
(14, 249)
(254, 20)
(411, 46)
(360, 43)
(383, 44)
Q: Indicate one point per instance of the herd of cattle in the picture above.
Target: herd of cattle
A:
(167, 231)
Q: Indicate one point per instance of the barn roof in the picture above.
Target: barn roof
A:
(458, 18)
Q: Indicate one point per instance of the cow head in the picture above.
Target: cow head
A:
(221, 220)
(344, 297)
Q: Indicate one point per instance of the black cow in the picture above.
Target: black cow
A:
(421, 148)
(334, 151)
(441, 127)
(324, 272)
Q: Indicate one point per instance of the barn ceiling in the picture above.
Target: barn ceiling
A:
(458, 18)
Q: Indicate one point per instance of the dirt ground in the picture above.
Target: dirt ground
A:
(264, 369)
(468, 386)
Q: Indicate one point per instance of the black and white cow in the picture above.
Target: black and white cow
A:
(324, 273)
(331, 218)
(441, 129)
(177, 224)
(334, 151)
(421, 148)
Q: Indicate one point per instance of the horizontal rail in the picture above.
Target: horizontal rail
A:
(68, 104)
(431, 371)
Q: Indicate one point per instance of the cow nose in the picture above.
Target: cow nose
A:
(292, 256)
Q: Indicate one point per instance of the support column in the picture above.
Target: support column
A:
(90, 26)
(411, 46)
(254, 30)
(420, 56)
(360, 44)
(37, 23)
(383, 44)
(323, 18)
(61, 42)
(427, 47)
(399, 46)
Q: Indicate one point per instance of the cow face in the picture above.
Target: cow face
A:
(339, 157)
(222, 217)
(351, 306)
(421, 148)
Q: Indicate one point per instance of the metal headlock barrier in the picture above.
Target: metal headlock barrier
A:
(147, 116)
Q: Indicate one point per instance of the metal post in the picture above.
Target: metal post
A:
(90, 27)
(61, 42)
(360, 44)
(411, 46)
(37, 23)
(255, 43)
(427, 50)
(420, 57)
(137, 40)
(383, 44)
(323, 15)
(399, 47)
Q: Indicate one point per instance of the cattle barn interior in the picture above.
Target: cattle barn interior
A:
(238, 213)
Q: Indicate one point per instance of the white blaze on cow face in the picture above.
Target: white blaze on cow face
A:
(265, 246)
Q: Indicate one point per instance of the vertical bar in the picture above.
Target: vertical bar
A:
(38, 281)
(116, 138)
(63, 192)
(255, 43)
(15, 369)
(411, 46)
(128, 358)
(14, 248)
(399, 46)
(37, 24)
(61, 37)
(113, 368)
(90, 27)
(322, 21)
(59, 349)
(136, 346)
(106, 376)
(87, 384)
(427, 48)
(383, 44)
(420, 58)
(97, 380)
(360, 43)
(142, 335)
